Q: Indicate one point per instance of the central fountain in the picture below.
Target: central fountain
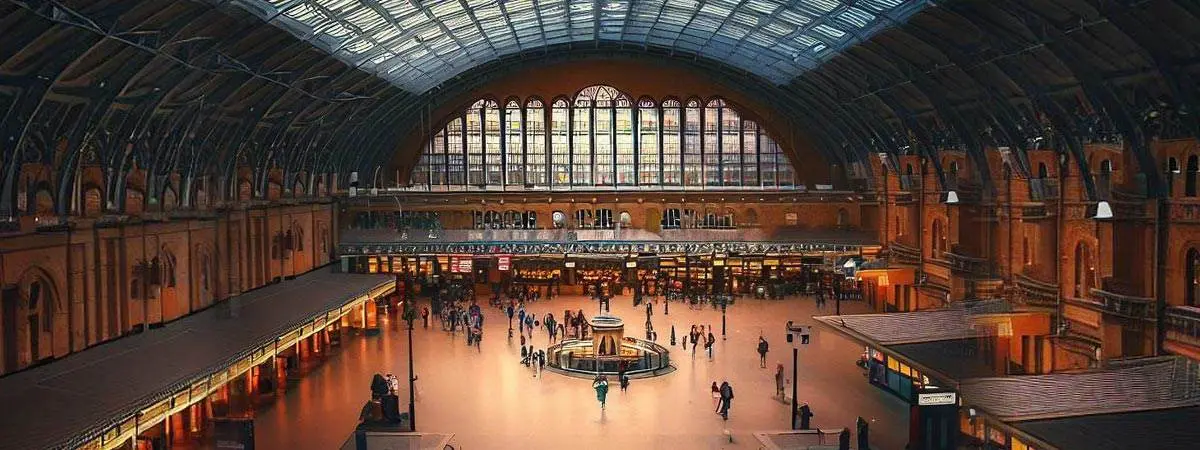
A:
(606, 350)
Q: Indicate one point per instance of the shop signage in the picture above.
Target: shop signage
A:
(460, 264)
(631, 264)
(937, 398)
(504, 263)
(569, 264)
(771, 262)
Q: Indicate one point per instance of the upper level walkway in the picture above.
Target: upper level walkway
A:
(621, 240)
(102, 396)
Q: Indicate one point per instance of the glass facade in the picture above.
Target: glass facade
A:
(419, 45)
(602, 140)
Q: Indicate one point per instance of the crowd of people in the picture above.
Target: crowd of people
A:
(455, 305)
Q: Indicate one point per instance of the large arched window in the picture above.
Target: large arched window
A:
(712, 142)
(492, 144)
(693, 159)
(535, 144)
(602, 133)
(456, 157)
(626, 165)
(601, 139)
(672, 133)
(648, 142)
(750, 152)
(731, 147)
(514, 144)
(581, 142)
(474, 143)
(560, 143)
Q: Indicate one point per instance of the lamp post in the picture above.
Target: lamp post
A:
(794, 333)
(410, 314)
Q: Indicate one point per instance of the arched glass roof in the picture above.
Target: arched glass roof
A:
(417, 44)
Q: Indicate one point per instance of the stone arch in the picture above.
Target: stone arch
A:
(29, 307)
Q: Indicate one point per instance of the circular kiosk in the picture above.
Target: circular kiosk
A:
(606, 350)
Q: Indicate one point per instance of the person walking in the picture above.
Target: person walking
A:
(805, 415)
(509, 311)
(521, 319)
(726, 399)
(863, 433)
(762, 352)
(780, 381)
(600, 384)
(695, 340)
(708, 345)
(425, 316)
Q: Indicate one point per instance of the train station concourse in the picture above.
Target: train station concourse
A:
(613, 224)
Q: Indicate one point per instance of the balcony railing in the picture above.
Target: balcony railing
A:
(1183, 324)
(1122, 305)
(903, 254)
(1043, 189)
(1035, 293)
(969, 264)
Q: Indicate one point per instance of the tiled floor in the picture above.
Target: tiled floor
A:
(488, 400)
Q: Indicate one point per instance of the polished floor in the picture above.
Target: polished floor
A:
(489, 401)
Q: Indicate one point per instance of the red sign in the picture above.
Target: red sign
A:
(504, 262)
(460, 264)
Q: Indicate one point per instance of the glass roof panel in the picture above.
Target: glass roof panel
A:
(401, 39)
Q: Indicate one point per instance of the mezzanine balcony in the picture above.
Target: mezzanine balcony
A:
(1035, 293)
(1119, 298)
(970, 265)
(903, 254)
(1183, 324)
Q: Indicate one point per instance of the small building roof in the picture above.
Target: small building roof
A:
(1164, 429)
(1137, 385)
(906, 327)
(86, 392)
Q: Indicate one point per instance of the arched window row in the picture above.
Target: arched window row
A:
(602, 139)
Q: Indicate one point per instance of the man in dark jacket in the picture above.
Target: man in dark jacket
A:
(805, 415)
(726, 398)
(863, 441)
(762, 352)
